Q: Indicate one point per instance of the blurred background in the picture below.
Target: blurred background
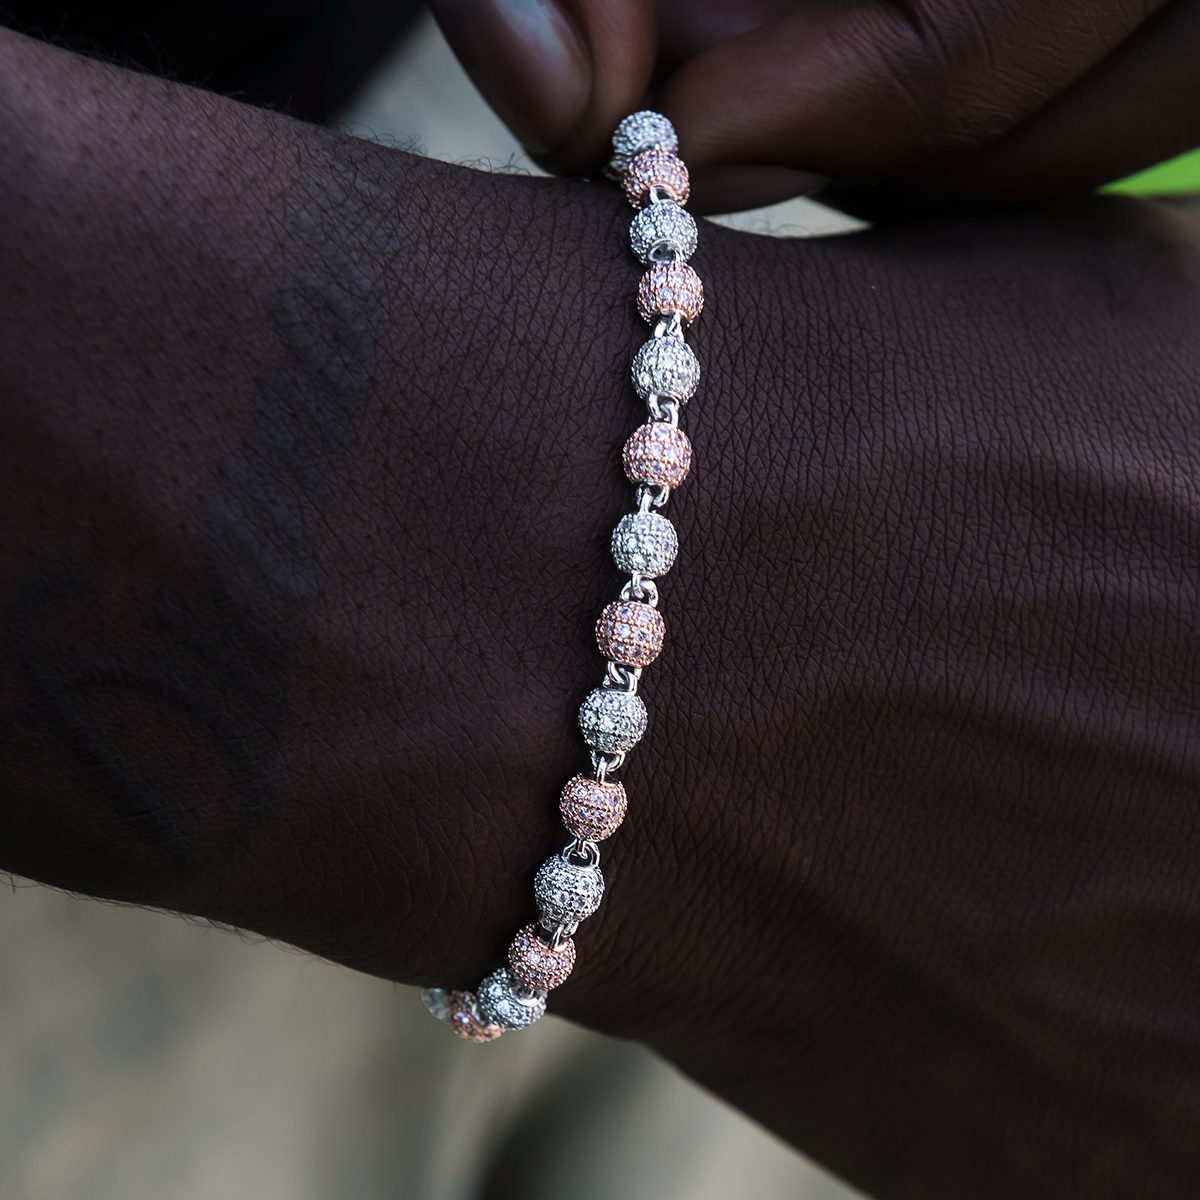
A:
(148, 1058)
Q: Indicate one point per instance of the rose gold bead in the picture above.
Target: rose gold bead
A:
(533, 962)
(657, 169)
(670, 287)
(460, 1016)
(630, 633)
(592, 810)
(658, 454)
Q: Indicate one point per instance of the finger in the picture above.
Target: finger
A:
(687, 28)
(736, 188)
(560, 73)
(1141, 105)
(864, 92)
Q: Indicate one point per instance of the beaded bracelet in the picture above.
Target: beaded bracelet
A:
(569, 887)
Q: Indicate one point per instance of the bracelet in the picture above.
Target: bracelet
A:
(569, 887)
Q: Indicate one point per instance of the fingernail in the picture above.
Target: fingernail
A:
(526, 58)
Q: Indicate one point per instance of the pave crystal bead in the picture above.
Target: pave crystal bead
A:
(640, 131)
(666, 366)
(458, 1010)
(534, 964)
(669, 288)
(566, 892)
(630, 633)
(661, 231)
(656, 169)
(644, 544)
(501, 1004)
(612, 720)
(658, 454)
(591, 810)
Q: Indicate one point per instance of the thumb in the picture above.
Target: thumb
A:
(560, 73)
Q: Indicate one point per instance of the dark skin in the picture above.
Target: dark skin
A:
(312, 450)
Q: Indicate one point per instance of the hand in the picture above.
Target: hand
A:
(900, 104)
(310, 459)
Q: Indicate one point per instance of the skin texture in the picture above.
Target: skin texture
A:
(907, 105)
(312, 453)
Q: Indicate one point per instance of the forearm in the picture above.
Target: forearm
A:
(142, 238)
(237, 358)
(313, 453)
(304, 658)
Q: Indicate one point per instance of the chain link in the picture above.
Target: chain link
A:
(645, 591)
(663, 409)
(622, 678)
(652, 496)
(662, 252)
(669, 325)
(583, 848)
(604, 764)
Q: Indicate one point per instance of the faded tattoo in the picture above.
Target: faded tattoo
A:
(213, 663)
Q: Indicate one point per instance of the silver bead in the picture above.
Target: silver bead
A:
(501, 1004)
(644, 543)
(612, 721)
(666, 366)
(435, 1001)
(662, 229)
(641, 131)
(567, 892)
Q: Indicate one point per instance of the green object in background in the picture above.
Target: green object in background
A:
(1175, 177)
